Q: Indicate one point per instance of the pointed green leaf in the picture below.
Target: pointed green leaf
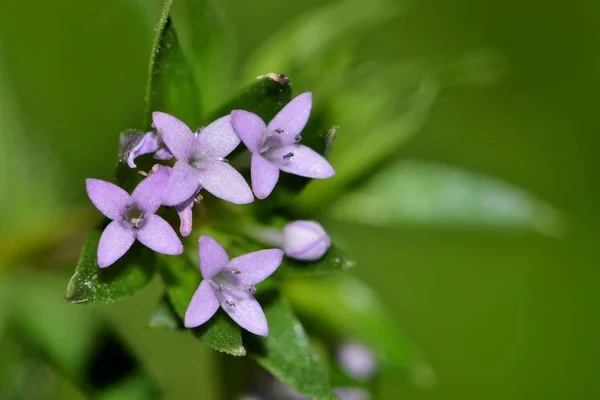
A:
(92, 284)
(335, 260)
(350, 309)
(420, 193)
(206, 39)
(182, 278)
(286, 352)
(171, 85)
(264, 97)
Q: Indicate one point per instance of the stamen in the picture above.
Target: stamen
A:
(298, 138)
(251, 289)
(279, 131)
(198, 199)
(266, 149)
(143, 173)
(288, 155)
(236, 271)
(230, 303)
(217, 286)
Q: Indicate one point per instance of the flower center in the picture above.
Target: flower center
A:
(199, 161)
(273, 140)
(227, 288)
(134, 216)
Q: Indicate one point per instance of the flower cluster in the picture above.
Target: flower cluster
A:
(200, 164)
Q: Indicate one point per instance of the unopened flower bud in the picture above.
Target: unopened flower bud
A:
(305, 240)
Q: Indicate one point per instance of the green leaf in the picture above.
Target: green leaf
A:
(171, 85)
(286, 352)
(420, 193)
(356, 152)
(335, 260)
(92, 284)
(264, 97)
(318, 32)
(164, 316)
(350, 309)
(182, 278)
(206, 39)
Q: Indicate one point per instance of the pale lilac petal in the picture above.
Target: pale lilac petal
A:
(110, 199)
(181, 185)
(250, 128)
(351, 393)
(178, 137)
(148, 193)
(305, 240)
(292, 118)
(184, 211)
(148, 144)
(116, 239)
(225, 182)
(218, 139)
(212, 257)
(203, 306)
(163, 154)
(304, 162)
(264, 176)
(158, 235)
(247, 313)
(257, 266)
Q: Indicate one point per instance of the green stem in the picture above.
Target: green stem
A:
(158, 31)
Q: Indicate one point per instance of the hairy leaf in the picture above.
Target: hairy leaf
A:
(92, 284)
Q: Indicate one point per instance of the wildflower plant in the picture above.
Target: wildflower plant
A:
(247, 266)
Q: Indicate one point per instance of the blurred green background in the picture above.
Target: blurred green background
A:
(476, 223)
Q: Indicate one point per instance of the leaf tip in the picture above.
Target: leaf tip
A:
(274, 76)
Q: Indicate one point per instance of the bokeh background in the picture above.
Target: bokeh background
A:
(468, 190)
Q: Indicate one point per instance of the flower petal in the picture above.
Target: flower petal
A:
(178, 137)
(225, 182)
(264, 174)
(249, 127)
(304, 162)
(247, 313)
(148, 193)
(212, 257)
(110, 199)
(292, 118)
(257, 266)
(218, 139)
(184, 211)
(203, 306)
(114, 242)
(163, 154)
(158, 235)
(181, 185)
(147, 144)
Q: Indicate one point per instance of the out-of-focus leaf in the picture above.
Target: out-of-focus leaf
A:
(164, 316)
(368, 139)
(286, 352)
(92, 284)
(335, 260)
(171, 85)
(317, 32)
(348, 307)
(419, 193)
(264, 97)
(206, 39)
(182, 279)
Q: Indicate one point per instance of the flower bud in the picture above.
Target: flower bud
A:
(357, 361)
(305, 240)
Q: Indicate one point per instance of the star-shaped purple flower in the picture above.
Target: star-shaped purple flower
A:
(133, 217)
(275, 146)
(200, 161)
(230, 284)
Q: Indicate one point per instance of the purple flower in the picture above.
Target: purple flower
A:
(133, 217)
(200, 161)
(305, 240)
(137, 144)
(275, 146)
(357, 361)
(230, 284)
